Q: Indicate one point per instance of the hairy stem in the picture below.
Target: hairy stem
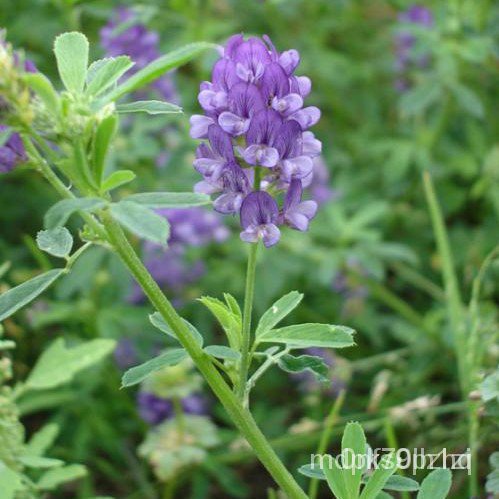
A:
(239, 415)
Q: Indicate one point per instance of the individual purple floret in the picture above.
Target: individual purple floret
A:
(154, 409)
(12, 150)
(258, 144)
(259, 216)
(297, 213)
(125, 35)
(405, 41)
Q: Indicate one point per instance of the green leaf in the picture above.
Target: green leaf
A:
(386, 468)
(468, 100)
(40, 462)
(59, 214)
(14, 299)
(42, 87)
(312, 472)
(335, 479)
(310, 335)
(57, 242)
(104, 134)
(42, 440)
(492, 482)
(117, 179)
(10, 482)
(490, 387)
(58, 364)
(353, 445)
(494, 460)
(417, 99)
(169, 199)
(53, 478)
(234, 306)
(158, 322)
(222, 352)
(315, 365)
(157, 68)
(71, 52)
(401, 484)
(436, 485)
(229, 321)
(139, 373)
(282, 307)
(142, 221)
(106, 72)
(149, 107)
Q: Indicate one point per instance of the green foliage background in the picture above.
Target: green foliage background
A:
(377, 232)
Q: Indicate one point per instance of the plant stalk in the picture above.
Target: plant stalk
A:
(241, 417)
(247, 312)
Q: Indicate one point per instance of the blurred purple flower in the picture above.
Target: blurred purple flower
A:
(12, 150)
(318, 185)
(125, 353)
(154, 409)
(125, 35)
(194, 226)
(195, 404)
(405, 41)
(256, 126)
(189, 227)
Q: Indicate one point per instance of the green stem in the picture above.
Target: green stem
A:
(473, 432)
(268, 363)
(452, 294)
(239, 415)
(325, 437)
(391, 440)
(474, 359)
(247, 312)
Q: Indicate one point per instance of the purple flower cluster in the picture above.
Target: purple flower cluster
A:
(258, 140)
(188, 227)
(12, 151)
(154, 409)
(124, 35)
(405, 41)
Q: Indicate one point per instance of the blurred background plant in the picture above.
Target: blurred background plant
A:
(403, 89)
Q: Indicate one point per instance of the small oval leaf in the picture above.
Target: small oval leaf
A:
(16, 298)
(142, 221)
(169, 199)
(139, 373)
(57, 242)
